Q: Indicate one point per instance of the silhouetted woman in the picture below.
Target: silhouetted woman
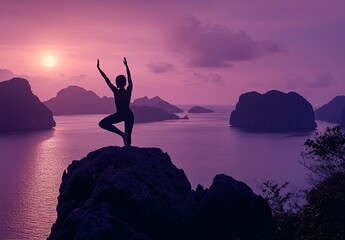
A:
(122, 97)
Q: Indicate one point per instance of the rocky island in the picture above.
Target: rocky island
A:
(20, 109)
(158, 103)
(198, 109)
(331, 111)
(75, 100)
(137, 193)
(273, 111)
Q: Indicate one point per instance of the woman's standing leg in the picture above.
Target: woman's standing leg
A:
(129, 122)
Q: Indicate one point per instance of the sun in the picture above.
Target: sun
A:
(49, 61)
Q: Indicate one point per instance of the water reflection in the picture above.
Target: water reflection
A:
(35, 191)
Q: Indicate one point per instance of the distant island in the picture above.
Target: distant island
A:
(20, 109)
(138, 193)
(273, 111)
(157, 102)
(332, 111)
(198, 109)
(75, 100)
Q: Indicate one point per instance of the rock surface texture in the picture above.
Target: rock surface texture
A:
(273, 111)
(137, 193)
(20, 109)
(332, 111)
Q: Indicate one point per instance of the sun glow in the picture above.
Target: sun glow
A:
(49, 61)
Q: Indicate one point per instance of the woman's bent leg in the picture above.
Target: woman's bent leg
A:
(107, 124)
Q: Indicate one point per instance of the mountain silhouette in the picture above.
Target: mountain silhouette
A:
(331, 111)
(75, 100)
(157, 102)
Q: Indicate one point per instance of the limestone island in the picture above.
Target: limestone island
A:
(198, 109)
(75, 100)
(158, 103)
(273, 111)
(331, 111)
(139, 194)
(20, 109)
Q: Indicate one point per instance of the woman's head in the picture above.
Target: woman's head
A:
(120, 81)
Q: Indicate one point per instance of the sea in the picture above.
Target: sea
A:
(32, 163)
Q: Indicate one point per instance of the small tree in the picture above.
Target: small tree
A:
(324, 156)
(285, 208)
(323, 217)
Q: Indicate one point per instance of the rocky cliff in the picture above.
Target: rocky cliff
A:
(137, 193)
(273, 111)
(20, 109)
(331, 111)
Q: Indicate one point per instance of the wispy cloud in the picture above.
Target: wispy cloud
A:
(160, 67)
(214, 45)
(294, 81)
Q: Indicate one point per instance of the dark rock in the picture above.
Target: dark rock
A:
(157, 102)
(20, 109)
(75, 100)
(332, 111)
(127, 191)
(231, 210)
(137, 193)
(273, 111)
(198, 109)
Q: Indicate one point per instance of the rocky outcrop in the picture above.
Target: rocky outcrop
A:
(75, 100)
(20, 109)
(198, 109)
(137, 193)
(332, 111)
(157, 102)
(273, 111)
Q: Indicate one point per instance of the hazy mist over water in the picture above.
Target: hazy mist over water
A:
(31, 164)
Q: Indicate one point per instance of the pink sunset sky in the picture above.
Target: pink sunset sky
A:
(185, 51)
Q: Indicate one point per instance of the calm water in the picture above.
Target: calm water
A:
(31, 165)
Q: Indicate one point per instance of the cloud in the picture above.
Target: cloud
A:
(76, 78)
(211, 78)
(294, 80)
(324, 80)
(198, 78)
(214, 45)
(161, 67)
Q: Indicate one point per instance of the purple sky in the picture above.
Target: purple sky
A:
(186, 51)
